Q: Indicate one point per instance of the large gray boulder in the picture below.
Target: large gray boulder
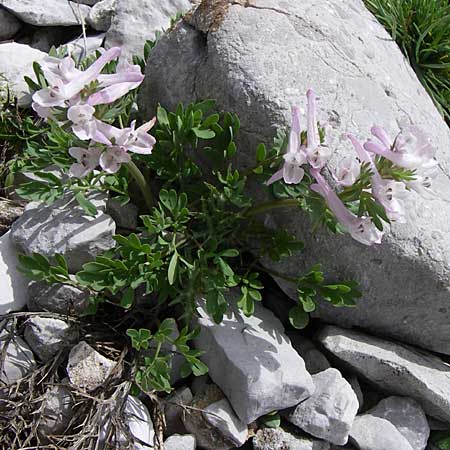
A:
(63, 227)
(329, 413)
(135, 22)
(393, 368)
(259, 57)
(49, 13)
(12, 70)
(252, 361)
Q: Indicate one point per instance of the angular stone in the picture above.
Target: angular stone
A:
(13, 284)
(329, 413)
(407, 416)
(57, 411)
(139, 423)
(9, 25)
(135, 22)
(257, 58)
(76, 47)
(19, 359)
(63, 227)
(57, 298)
(393, 368)
(48, 13)
(14, 69)
(252, 361)
(180, 442)
(221, 416)
(46, 336)
(125, 216)
(173, 410)
(87, 368)
(374, 433)
(101, 15)
(279, 439)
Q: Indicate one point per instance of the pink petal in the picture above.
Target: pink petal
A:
(275, 177)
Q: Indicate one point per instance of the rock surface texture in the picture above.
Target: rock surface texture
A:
(253, 362)
(46, 12)
(135, 22)
(329, 413)
(257, 58)
(65, 228)
(393, 368)
(14, 69)
(279, 439)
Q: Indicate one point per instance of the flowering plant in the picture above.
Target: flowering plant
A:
(200, 233)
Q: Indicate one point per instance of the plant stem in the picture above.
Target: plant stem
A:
(142, 183)
(263, 207)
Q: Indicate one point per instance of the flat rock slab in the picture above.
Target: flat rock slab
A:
(48, 13)
(329, 413)
(257, 58)
(136, 21)
(407, 416)
(13, 284)
(393, 368)
(64, 227)
(14, 69)
(253, 361)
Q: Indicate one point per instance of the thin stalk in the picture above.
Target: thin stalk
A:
(142, 183)
(275, 204)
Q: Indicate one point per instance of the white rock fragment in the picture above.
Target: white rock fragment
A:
(180, 442)
(279, 439)
(86, 368)
(329, 413)
(101, 15)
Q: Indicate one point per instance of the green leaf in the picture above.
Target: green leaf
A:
(88, 207)
(261, 153)
(271, 420)
(128, 299)
(204, 134)
(172, 268)
(161, 115)
(298, 317)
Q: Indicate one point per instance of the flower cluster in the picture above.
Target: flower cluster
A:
(71, 99)
(410, 152)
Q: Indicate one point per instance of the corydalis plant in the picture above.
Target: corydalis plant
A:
(375, 184)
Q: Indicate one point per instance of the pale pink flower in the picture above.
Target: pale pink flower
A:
(113, 157)
(87, 160)
(114, 86)
(318, 155)
(83, 123)
(347, 172)
(292, 171)
(361, 229)
(65, 85)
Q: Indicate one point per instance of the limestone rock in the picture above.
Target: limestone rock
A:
(393, 368)
(57, 298)
(101, 15)
(329, 413)
(279, 439)
(19, 359)
(48, 13)
(180, 442)
(14, 69)
(9, 25)
(77, 49)
(257, 58)
(135, 22)
(407, 416)
(173, 410)
(86, 368)
(13, 285)
(252, 361)
(374, 433)
(46, 336)
(57, 411)
(63, 227)
(221, 416)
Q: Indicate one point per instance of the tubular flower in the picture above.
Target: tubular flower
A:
(317, 154)
(87, 160)
(347, 172)
(65, 84)
(83, 123)
(292, 171)
(113, 157)
(411, 148)
(361, 229)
